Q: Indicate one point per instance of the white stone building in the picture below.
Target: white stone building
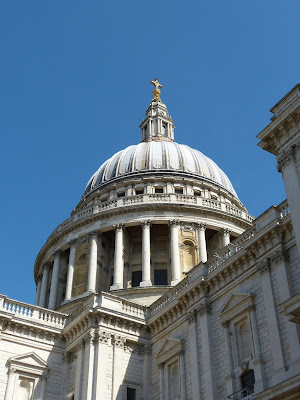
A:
(161, 286)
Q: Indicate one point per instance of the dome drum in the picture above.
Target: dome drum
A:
(147, 216)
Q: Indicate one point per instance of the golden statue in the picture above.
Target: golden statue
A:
(156, 91)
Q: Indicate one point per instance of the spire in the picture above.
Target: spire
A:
(157, 125)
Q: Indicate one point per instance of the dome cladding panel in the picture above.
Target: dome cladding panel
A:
(158, 155)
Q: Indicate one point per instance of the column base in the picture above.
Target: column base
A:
(145, 283)
(173, 283)
(116, 286)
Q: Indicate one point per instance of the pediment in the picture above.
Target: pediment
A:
(170, 348)
(28, 359)
(236, 303)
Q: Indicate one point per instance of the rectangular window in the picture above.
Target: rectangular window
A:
(139, 191)
(136, 278)
(160, 277)
(159, 190)
(121, 194)
(131, 394)
(178, 190)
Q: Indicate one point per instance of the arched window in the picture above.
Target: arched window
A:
(248, 380)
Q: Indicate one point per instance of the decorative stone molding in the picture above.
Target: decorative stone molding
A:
(226, 232)
(187, 227)
(146, 223)
(264, 266)
(103, 337)
(191, 316)
(201, 226)
(119, 341)
(204, 308)
(174, 222)
(286, 157)
(280, 255)
(118, 227)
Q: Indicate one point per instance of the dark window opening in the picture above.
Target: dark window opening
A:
(112, 280)
(136, 278)
(121, 194)
(197, 193)
(104, 245)
(139, 191)
(160, 277)
(178, 190)
(248, 381)
(131, 394)
(159, 190)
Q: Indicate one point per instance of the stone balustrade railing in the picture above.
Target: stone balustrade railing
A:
(217, 260)
(32, 313)
(154, 198)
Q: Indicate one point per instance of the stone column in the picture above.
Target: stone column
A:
(66, 374)
(118, 259)
(225, 237)
(70, 275)
(38, 291)
(147, 376)
(78, 373)
(287, 165)
(182, 376)
(229, 377)
(277, 352)
(100, 366)
(91, 287)
(10, 383)
(281, 260)
(193, 344)
(202, 242)
(44, 287)
(43, 386)
(161, 381)
(118, 375)
(209, 378)
(54, 281)
(87, 382)
(146, 272)
(175, 261)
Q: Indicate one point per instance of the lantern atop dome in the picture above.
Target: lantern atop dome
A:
(157, 125)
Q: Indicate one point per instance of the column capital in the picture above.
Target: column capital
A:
(146, 223)
(12, 370)
(201, 226)
(46, 265)
(251, 307)
(225, 324)
(73, 242)
(119, 227)
(204, 308)
(286, 157)
(119, 341)
(102, 337)
(93, 233)
(56, 253)
(174, 223)
(264, 266)
(226, 231)
(191, 316)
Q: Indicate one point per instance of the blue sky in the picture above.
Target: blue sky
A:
(74, 86)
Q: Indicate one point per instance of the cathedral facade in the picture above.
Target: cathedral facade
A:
(160, 285)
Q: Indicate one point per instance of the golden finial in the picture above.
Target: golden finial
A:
(156, 91)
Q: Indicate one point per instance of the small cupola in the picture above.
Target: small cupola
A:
(157, 125)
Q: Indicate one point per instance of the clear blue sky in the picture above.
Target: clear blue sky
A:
(75, 86)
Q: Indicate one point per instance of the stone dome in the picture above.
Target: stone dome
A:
(158, 157)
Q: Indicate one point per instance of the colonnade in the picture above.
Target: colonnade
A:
(43, 283)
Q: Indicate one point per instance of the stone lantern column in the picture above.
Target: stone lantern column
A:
(146, 273)
(118, 259)
(175, 261)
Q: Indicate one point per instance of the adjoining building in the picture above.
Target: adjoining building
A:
(160, 285)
